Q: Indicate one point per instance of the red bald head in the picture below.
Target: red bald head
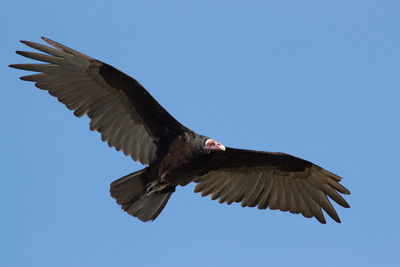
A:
(212, 144)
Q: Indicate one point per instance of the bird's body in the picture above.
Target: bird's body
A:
(132, 121)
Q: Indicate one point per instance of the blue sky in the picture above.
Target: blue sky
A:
(316, 79)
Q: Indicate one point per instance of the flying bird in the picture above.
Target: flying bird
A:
(132, 121)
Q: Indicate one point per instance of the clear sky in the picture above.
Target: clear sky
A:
(316, 79)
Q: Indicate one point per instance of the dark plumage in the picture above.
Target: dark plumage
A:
(131, 120)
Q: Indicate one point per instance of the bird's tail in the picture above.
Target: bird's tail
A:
(139, 198)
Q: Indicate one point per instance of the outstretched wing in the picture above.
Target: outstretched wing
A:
(119, 107)
(274, 180)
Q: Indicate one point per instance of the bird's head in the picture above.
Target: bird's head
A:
(213, 145)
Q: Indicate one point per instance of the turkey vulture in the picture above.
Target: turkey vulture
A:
(130, 119)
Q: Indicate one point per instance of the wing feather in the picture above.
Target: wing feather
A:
(320, 198)
(251, 194)
(304, 203)
(264, 198)
(236, 191)
(312, 205)
(41, 57)
(47, 49)
(274, 196)
(217, 193)
(294, 199)
(283, 195)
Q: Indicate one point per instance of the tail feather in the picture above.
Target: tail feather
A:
(148, 207)
(128, 188)
(132, 193)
